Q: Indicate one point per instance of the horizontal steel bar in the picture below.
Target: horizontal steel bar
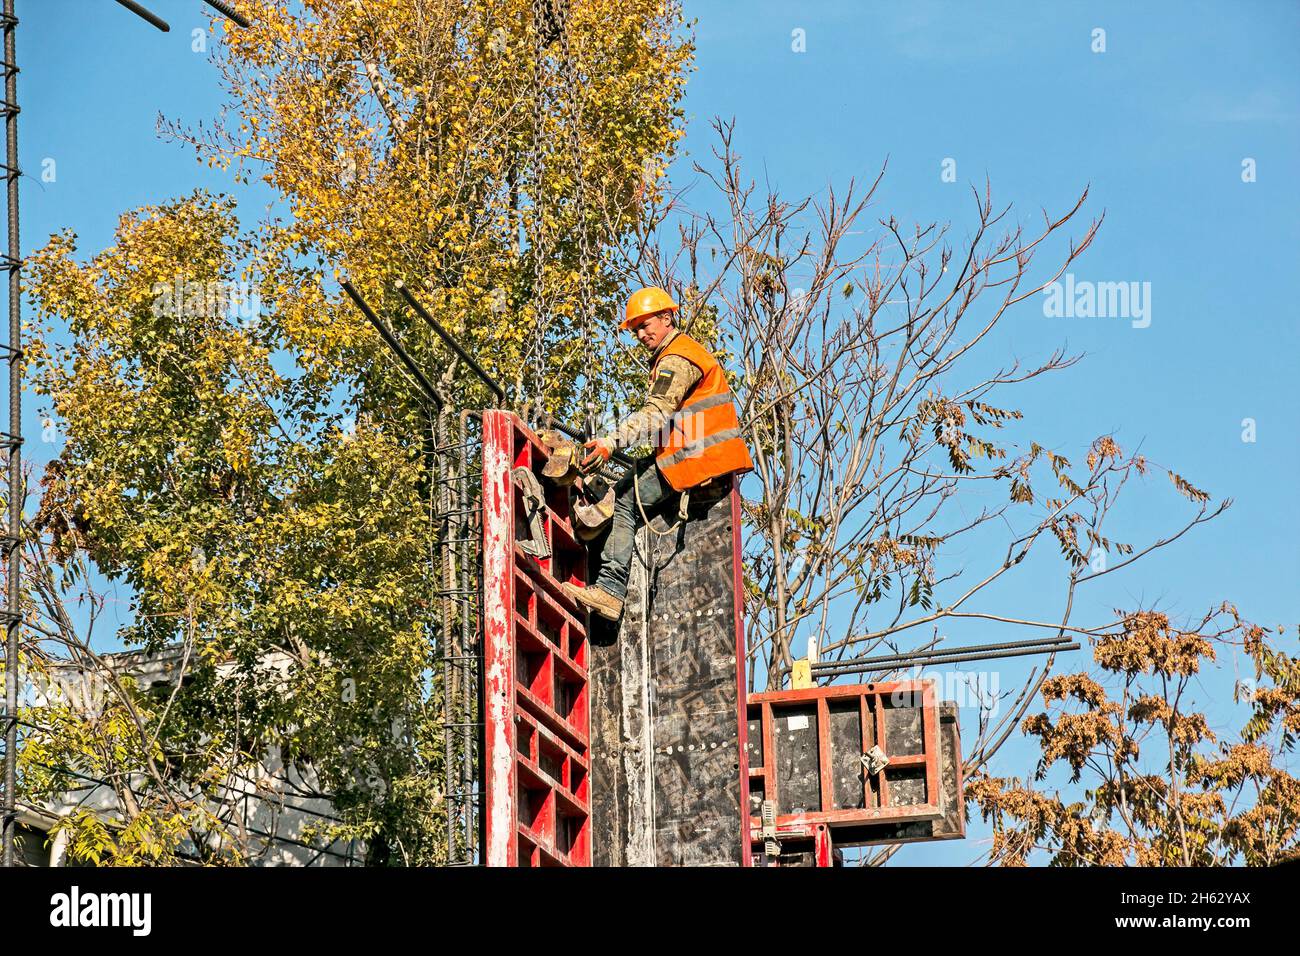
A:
(581, 436)
(963, 658)
(930, 652)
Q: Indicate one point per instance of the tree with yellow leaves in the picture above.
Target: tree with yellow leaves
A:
(489, 155)
(252, 465)
(247, 518)
(1150, 783)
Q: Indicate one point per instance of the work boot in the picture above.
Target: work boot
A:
(597, 599)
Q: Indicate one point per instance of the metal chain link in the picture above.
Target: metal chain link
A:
(586, 263)
(551, 20)
(538, 241)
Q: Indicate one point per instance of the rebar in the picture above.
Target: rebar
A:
(13, 533)
(227, 11)
(450, 341)
(147, 15)
(869, 665)
(453, 470)
(395, 346)
(455, 563)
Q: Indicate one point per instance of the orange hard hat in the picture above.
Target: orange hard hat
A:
(647, 301)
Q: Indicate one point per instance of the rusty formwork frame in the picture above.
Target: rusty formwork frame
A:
(558, 766)
(839, 796)
(536, 701)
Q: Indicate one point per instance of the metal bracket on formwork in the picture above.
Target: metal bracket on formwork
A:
(534, 502)
(562, 465)
(771, 845)
(875, 760)
(591, 517)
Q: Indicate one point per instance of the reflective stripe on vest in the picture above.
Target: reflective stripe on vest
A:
(696, 447)
(702, 439)
(679, 417)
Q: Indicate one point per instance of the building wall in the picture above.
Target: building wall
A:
(272, 804)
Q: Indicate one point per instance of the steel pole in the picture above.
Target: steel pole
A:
(866, 667)
(450, 341)
(856, 663)
(394, 346)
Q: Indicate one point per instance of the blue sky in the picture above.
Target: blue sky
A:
(1158, 125)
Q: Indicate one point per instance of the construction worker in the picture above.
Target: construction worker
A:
(691, 417)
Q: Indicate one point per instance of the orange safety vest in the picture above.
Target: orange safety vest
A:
(702, 438)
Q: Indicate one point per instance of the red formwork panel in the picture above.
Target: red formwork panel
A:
(806, 752)
(537, 747)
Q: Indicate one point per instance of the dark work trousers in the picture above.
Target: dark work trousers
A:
(656, 496)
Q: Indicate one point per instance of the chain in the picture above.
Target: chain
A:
(586, 262)
(550, 22)
(538, 241)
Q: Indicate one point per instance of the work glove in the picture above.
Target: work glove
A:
(597, 454)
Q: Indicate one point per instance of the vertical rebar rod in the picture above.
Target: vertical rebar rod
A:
(446, 608)
(451, 635)
(13, 594)
(457, 574)
(468, 628)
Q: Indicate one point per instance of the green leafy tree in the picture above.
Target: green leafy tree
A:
(244, 517)
(260, 481)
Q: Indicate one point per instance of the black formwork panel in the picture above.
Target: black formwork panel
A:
(798, 765)
(846, 738)
(852, 764)
(951, 825)
(666, 716)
